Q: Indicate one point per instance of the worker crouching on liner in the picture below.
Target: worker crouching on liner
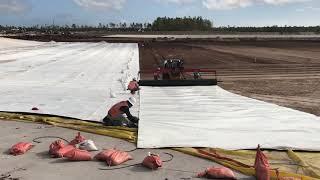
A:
(133, 86)
(119, 115)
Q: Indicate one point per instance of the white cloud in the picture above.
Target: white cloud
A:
(14, 6)
(226, 4)
(308, 8)
(231, 4)
(176, 1)
(101, 4)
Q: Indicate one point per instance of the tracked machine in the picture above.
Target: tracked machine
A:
(173, 73)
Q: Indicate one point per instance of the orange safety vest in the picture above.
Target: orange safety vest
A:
(133, 85)
(115, 109)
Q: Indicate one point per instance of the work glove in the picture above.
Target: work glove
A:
(135, 119)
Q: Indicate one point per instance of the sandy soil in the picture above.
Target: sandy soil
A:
(282, 72)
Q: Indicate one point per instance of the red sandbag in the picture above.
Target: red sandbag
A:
(78, 139)
(217, 173)
(79, 155)
(118, 157)
(152, 162)
(104, 155)
(262, 165)
(63, 152)
(55, 147)
(20, 148)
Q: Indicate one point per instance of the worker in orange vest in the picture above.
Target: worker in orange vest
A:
(133, 86)
(119, 114)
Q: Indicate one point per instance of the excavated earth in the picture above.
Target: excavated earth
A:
(286, 73)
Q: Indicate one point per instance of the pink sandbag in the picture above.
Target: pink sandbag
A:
(261, 165)
(20, 148)
(152, 162)
(63, 152)
(113, 157)
(118, 157)
(78, 155)
(217, 173)
(104, 155)
(78, 139)
(55, 147)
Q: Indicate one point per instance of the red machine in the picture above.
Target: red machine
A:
(173, 73)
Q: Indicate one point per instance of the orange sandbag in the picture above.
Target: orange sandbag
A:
(104, 155)
(55, 147)
(79, 155)
(78, 139)
(20, 148)
(152, 161)
(63, 152)
(118, 157)
(217, 173)
(113, 157)
(262, 166)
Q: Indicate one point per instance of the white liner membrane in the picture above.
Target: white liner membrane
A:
(66, 79)
(210, 116)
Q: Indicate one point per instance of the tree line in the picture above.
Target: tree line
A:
(158, 25)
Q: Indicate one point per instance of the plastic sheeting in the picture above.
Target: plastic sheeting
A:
(209, 116)
(80, 80)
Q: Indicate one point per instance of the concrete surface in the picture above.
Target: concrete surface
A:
(37, 164)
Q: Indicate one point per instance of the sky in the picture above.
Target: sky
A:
(220, 12)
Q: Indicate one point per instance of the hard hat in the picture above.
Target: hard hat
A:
(132, 101)
(134, 79)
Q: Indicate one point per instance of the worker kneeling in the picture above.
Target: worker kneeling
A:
(133, 86)
(119, 115)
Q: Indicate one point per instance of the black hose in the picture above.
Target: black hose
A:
(132, 150)
(109, 169)
(171, 157)
(42, 137)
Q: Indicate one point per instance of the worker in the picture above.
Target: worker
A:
(196, 75)
(156, 74)
(133, 86)
(119, 115)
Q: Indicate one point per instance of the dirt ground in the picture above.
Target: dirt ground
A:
(286, 73)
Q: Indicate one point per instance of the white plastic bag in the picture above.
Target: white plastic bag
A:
(88, 145)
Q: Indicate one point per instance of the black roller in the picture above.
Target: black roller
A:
(163, 83)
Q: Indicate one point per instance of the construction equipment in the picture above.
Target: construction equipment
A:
(173, 73)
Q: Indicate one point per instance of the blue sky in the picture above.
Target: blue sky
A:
(221, 12)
